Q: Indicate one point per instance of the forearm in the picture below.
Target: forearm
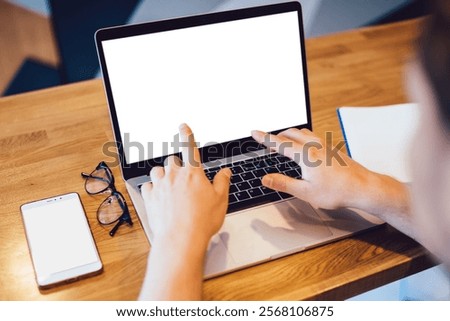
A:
(388, 199)
(174, 271)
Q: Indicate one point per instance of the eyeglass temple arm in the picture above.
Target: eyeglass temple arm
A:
(116, 227)
(125, 217)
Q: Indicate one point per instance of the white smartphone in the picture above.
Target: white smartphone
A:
(60, 240)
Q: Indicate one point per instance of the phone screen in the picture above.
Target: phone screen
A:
(59, 238)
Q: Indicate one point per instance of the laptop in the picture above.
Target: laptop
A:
(224, 74)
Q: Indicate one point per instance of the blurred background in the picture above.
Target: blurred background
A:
(46, 43)
(50, 42)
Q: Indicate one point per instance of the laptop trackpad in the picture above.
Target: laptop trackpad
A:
(271, 231)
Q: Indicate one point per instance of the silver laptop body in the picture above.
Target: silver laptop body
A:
(224, 74)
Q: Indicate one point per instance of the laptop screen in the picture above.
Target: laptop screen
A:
(223, 79)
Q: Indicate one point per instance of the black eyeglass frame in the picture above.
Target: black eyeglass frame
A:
(125, 216)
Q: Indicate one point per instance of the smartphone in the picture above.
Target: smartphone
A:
(60, 240)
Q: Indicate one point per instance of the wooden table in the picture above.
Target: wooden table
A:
(48, 137)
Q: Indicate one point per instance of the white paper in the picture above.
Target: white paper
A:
(380, 138)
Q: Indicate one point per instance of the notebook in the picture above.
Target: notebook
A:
(380, 137)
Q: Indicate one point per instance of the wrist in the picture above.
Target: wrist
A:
(175, 268)
(181, 244)
(380, 194)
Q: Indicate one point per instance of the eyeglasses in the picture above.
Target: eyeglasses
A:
(114, 208)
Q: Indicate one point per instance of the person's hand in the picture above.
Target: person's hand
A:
(184, 211)
(181, 202)
(330, 179)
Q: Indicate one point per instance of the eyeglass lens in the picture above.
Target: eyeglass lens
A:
(98, 181)
(111, 209)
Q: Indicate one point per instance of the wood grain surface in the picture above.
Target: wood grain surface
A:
(48, 137)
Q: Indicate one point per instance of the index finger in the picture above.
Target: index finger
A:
(189, 150)
(280, 144)
(301, 137)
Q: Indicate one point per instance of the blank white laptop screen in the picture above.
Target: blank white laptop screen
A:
(222, 79)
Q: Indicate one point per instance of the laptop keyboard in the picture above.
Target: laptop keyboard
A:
(246, 189)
